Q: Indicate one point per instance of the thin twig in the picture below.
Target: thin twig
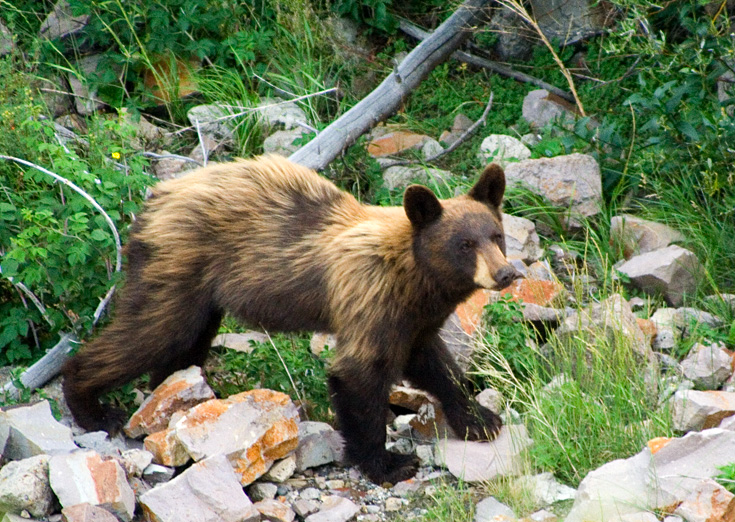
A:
(36, 301)
(455, 144)
(285, 367)
(110, 223)
(169, 156)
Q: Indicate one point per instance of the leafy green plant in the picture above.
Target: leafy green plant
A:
(373, 13)
(726, 478)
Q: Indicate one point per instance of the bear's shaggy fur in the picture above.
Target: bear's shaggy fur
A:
(278, 246)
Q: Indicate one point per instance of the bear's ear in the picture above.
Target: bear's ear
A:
(490, 187)
(421, 205)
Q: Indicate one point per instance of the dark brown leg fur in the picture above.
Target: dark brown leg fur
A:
(360, 400)
(432, 368)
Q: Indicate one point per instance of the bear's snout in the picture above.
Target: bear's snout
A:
(506, 275)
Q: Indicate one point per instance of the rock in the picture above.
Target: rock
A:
(60, 22)
(395, 143)
(262, 491)
(672, 271)
(157, 474)
(726, 88)
(502, 149)
(85, 100)
(540, 107)
(86, 512)
(430, 149)
(303, 508)
(696, 410)
(274, 511)
(253, 429)
(7, 44)
(639, 236)
(457, 335)
(490, 510)
(314, 448)
(24, 485)
(334, 509)
(166, 448)
(707, 502)
(208, 491)
(320, 341)
(515, 37)
(708, 366)
(135, 461)
(482, 461)
(96, 481)
(571, 182)
(521, 240)
(100, 442)
(401, 177)
(460, 125)
(648, 328)
(541, 270)
(541, 516)
(429, 421)
(206, 146)
(281, 470)
(274, 112)
(532, 291)
(425, 454)
(281, 142)
(546, 489)
(569, 21)
(615, 489)
(212, 119)
(169, 168)
(491, 399)
(32, 430)
(612, 318)
(240, 342)
(179, 392)
(393, 504)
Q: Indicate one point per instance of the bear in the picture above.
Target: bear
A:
(280, 247)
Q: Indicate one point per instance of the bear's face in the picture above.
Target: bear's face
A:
(461, 241)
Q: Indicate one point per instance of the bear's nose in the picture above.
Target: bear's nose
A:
(506, 275)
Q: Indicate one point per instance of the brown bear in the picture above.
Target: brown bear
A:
(278, 246)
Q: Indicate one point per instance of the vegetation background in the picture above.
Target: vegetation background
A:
(665, 143)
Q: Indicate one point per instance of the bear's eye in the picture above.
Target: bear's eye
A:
(467, 245)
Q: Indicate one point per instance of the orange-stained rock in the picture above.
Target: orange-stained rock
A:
(470, 312)
(166, 448)
(648, 328)
(395, 142)
(656, 444)
(180, 391)
(709, 502)
(534, 291)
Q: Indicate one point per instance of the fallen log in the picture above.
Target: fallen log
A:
(387, 98)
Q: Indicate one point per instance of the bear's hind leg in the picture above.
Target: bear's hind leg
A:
(360, 399)
(432, 368)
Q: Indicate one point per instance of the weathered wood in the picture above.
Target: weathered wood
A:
(387, 98)
(45, 369)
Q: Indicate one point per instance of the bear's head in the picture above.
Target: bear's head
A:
(460, 241)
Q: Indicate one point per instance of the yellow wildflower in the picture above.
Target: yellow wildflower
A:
(116, 155)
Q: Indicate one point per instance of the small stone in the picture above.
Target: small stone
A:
(7, 44)
(400, 177)
(274, 112)
(60, 22)
(282, 470)
(166, 448)
(639, 236)
(396, 142)
(320, 341)
(33, 430)
(303, 508)
(540, 107)
(546, 489)
(491, 399)
(430, 149)
(135, 461)
(490, 510)
(262, 491)
(334, 509)
(311, 494)
(86, 512)
(281, 142)
(502, 149)
(521, 240)
(313, 448)
(169, 168)
(157, 474)
(24, 485)
(541, 516)
(86, 101)
(275, 511)
(335, 484)
(240, 342)
(394, 504)
(425, 454)
(708, 366)
(100, 442)
(212, 119)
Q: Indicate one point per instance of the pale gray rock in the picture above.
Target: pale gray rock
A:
(212, 119)
(726, 87)
(694, 410)
(158, 474)
(515, 37)
(169, 167)
(543, 516)
(546, 489)
(491, 399)
(281, 142)
(241, 342)
(482, 461)
(393, 504)
(639, 236)
(303, 508)
(425, 454)
(98, 481)
(430, 149)
(7, 44)
(320, 341)
(399, 177)
(60, 22)
(33, 430)
(24, 486)
(502, 149)
(208, 491)
(86, 513)
(85, 100)
(540, 107)
(708, 366)
(541, 270)
(334, 509)
(100, 442)
(276, 112)
(569, 21)
(282, 470)
(728, 423)
(136, 461)
(521, 240)
(707, 502)
(262, 491)
(571, 182)
(672, 271)
(313, 450)
(491, 509)
(617, 488)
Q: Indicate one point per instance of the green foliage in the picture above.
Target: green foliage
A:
(52, 240)
(727, 477)
(286, 365)
(373, 13)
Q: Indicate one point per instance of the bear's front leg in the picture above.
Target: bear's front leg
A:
(432, 368)
(360, 399)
